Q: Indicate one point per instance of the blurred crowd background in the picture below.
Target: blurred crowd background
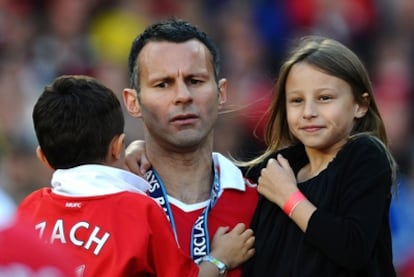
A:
(42, 39)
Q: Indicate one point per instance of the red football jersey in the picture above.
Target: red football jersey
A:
(236, 202)
(120, 234)
(233, 206)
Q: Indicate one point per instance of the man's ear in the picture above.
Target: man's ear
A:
(131, 102)
(117, 147)
(42, 158)
(222, 96)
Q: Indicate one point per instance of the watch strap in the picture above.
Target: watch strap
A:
(222, 267)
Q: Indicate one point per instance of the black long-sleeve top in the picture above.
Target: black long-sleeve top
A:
(348, 234)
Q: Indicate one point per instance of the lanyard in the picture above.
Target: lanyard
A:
(200, 243)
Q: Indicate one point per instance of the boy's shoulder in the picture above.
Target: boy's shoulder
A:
(124, 200)
(34, 197)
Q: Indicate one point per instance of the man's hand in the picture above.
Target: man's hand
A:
(135, 159)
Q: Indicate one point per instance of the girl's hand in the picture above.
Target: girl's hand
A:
(277, 181)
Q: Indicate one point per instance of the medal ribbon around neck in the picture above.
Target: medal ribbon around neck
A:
(200, 243)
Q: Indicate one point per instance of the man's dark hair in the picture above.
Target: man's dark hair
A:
(171, 30)
(75, 120)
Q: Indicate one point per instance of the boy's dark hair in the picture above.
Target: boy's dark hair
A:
(171, 30)
(75, 119)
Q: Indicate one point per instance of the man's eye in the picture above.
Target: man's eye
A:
(195, 81)
(325, 97)
(162, 85)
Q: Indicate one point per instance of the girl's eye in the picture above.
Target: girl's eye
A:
(295, 100)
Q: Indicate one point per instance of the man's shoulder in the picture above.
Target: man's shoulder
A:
(249, 191)
(231, 177)
(238, 204)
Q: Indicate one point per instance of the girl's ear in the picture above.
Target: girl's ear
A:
(362, 108)
(42, 158)
(131, 102)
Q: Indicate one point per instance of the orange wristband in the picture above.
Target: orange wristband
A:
(293, 201)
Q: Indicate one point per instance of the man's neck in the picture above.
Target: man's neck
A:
(186, 177)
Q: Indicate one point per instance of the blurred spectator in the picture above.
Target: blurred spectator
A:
(24, 171)
(240, 131)
(7, 203)
(274, 24)
(392, 83)
(402, 226)
(111, 32)
(393, 88)
(7, 206)
(61, 45)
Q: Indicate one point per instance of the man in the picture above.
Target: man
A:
(176, 92)
(96, 211)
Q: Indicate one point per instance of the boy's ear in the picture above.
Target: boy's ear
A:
(42, 158)
(130, 97)
(117, 147)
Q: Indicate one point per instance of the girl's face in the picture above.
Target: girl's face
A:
(321, 108)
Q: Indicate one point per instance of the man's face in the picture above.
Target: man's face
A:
(179, 97)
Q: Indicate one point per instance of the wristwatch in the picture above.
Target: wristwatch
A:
(222, 267)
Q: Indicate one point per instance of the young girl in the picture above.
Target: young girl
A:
(326, 175)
